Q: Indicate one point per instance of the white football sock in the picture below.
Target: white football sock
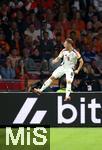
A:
(46, 84)
(68, 89)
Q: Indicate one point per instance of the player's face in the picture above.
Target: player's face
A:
(66, 44)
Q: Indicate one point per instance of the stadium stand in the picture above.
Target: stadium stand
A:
(33, 31)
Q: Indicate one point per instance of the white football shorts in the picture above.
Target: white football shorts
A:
(60, 71)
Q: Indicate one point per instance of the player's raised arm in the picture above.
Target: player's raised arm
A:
(58, 57)
(80, 63)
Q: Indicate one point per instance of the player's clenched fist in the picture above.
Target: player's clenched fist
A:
(76, 71)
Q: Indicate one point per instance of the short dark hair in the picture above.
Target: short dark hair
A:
(69, 40)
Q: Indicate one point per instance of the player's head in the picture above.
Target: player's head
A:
(68, 43)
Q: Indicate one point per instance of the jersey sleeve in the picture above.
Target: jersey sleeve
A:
(78, 55)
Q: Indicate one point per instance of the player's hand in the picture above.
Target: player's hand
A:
(76, 71)
(53, 62)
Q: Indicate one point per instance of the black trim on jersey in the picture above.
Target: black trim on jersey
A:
(79, 58)
(75, 51)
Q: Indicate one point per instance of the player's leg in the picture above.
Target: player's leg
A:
(68, 90)
(45, 85)
(69, 80)
(56, 74)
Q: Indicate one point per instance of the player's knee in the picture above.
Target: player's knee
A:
(69, 81)
(52, 78)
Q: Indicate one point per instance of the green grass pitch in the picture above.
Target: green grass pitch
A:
(64, 139)
(76, 139)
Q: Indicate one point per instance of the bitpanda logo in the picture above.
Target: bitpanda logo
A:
(26, 109)
(93, 106)
(92, 109)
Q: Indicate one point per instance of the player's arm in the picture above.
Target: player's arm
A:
(81, 62)
(58, 58)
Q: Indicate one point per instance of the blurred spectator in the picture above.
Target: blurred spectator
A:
(21, 24)
(4, 11)
(21, 72)
(73, 36)
(2, 56)
(96, 23)
(84, 4)
(28, 42)
(16, 4)
(97, 45)
(44, 66)
(10, 33)
(80, 24)
(92, 11)
(17, 43)
(65, 22)
(100, 33)
(88, 54)
(76, 84)
(73, 29)
(46, 28)
(34, 20)
(52, 66)
(32, 32)
(36, 55)
(3, 43)
(39, 65)
(98, 5)
(76, 4)
(46, 46)
(97, 64)
(88, 71)
(14, 57)
(90, 85)
(89, 82)
(47, 3)
(28, 62)
(58, 44)
(62, 7)
(49, 17)
(28, 5)
(89, 37)
(59, 29)
(7, 70)
(89, 26)
(82, 42)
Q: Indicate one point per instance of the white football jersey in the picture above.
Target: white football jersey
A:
(69, 58)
